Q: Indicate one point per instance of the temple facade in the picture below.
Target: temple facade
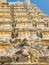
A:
(24, 33)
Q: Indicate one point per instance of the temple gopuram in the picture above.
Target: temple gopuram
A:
(24, 34)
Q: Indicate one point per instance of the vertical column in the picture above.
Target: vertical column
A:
(27, 1)
(14, 34)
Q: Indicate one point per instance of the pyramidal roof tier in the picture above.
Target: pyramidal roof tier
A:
(26, 1)
(3, 1)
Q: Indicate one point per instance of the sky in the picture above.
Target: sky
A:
(42, 4)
